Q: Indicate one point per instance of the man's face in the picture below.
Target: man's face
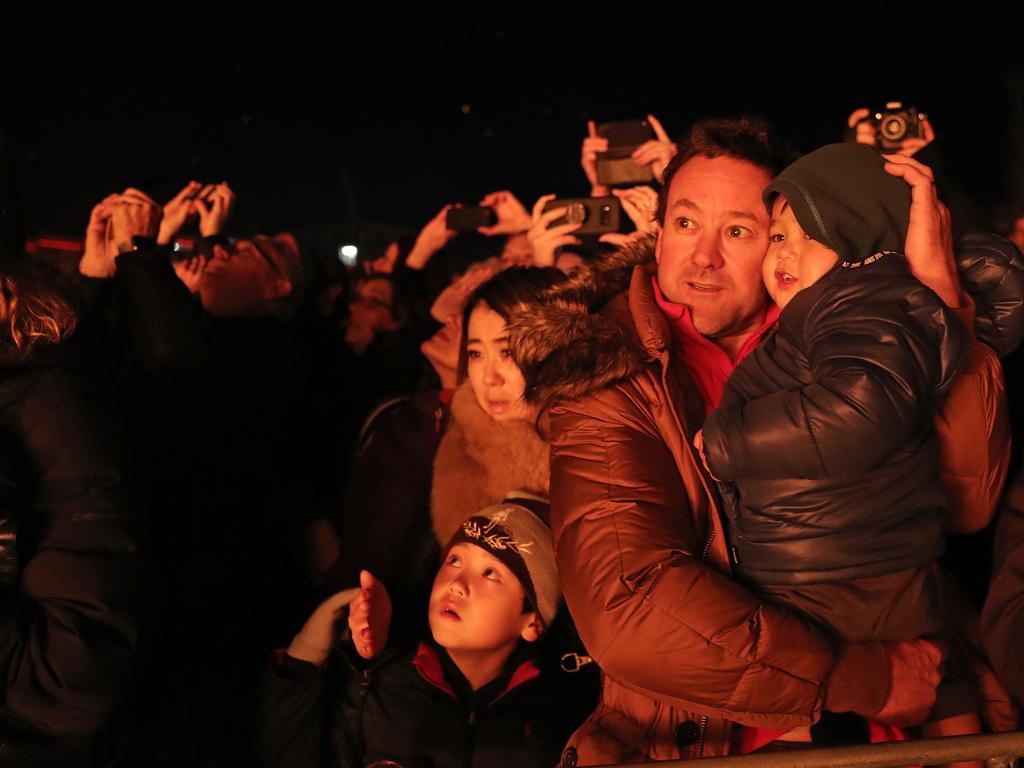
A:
(476, 604)
(371, 311)
(711, 245)
(241, 279)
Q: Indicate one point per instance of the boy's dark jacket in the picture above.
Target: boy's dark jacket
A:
(404, 707)
(826, 428)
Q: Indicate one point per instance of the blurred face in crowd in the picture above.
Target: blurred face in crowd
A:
(476, 605)
(497, 382)
(517, 250)
(372, 311)
(385, 263)
(711, 245)
(246, 277)
(794, 261)
(569, 262)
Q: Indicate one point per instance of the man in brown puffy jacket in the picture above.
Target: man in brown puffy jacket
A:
(688, 652)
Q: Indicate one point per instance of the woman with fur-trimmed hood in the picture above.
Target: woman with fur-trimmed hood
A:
(494, 442)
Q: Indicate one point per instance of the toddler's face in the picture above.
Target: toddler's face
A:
(793, 261)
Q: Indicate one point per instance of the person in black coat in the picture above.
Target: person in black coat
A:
(229, 422)
(73, 573)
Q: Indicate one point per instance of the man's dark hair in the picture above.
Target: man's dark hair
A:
(749, 137)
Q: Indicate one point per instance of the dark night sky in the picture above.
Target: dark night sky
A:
(309, 113)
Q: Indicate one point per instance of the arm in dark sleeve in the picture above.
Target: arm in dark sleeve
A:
(413, 280)
(873, 384)
(312, 716)
(172, 336)
(652, 613)
(292, 725)
(991, 271)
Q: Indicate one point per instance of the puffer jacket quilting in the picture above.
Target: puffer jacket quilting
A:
(639, 539)
(826, 430)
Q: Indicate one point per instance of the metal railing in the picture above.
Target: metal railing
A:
(997, 749)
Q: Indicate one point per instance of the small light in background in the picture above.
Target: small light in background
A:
(347, 255)
(465, 109)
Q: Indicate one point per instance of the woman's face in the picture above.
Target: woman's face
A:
(497, 383)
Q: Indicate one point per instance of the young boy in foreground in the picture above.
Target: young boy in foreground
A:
(472, 693)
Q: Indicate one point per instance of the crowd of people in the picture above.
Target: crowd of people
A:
(528, 488)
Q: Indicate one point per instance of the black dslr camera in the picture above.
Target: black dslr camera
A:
(895, 124)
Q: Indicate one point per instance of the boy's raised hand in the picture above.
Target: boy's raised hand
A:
(369, 616)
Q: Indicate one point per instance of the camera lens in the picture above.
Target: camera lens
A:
(894, 128)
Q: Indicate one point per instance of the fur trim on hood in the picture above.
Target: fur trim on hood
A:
(480, 460)
(564, 347)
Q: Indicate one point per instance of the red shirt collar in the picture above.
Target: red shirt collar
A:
(708, 364)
